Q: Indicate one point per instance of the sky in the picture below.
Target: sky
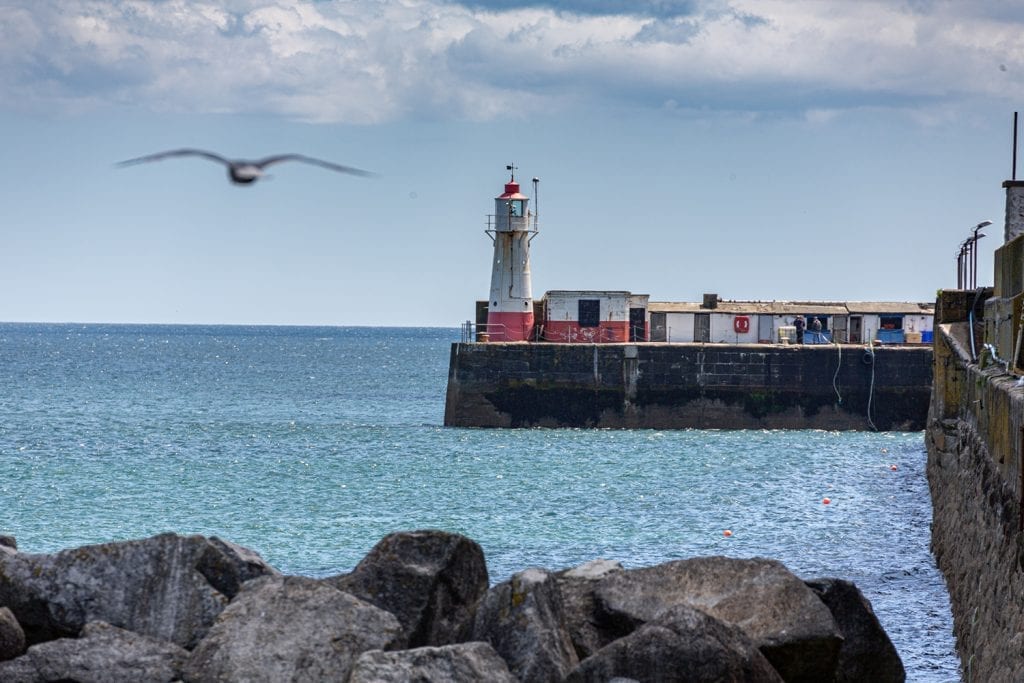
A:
(761, 150)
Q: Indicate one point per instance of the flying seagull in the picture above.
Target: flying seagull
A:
(242, 171)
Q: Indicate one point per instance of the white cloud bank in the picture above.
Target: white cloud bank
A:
(369, 61)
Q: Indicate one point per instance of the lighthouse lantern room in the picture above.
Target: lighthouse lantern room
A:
(510, 307)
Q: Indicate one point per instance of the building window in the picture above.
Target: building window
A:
(515, 207)
(590, 312)
(890, 322)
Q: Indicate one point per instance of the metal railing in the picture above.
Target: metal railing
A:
(482, 332)
(488, 332)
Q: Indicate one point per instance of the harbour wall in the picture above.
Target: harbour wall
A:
(975, 442)
(678, 386)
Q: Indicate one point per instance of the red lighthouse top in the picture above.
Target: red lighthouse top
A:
(512, 191)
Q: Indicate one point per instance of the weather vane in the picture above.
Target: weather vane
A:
(512, 167)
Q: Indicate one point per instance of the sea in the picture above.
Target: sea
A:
(310, 444)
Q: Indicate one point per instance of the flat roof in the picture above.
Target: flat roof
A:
(890, 307)
(591, 292)
(794, 307)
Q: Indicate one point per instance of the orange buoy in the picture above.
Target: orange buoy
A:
(826, 501)
(727, 533)
(892, 467)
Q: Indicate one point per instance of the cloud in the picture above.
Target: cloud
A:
(370, 61)
(655, 8)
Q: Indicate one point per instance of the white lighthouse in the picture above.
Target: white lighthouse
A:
(510, 308)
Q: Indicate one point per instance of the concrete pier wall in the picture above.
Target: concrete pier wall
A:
(975, 442)
(675, 386)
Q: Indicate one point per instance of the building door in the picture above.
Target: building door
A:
(855, 329)
(702, 327)
(764, 329)
(839, 333)
(659, 333)
(637, 324)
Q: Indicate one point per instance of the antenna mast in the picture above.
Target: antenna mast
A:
(1013, 174)
(536, 203)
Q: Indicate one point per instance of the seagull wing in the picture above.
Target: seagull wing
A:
(263, 163)
(177, 153)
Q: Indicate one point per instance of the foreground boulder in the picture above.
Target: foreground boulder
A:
(866, 654)
(587, 629)
(463, 663)
(102, 654)
(291, 629)
(784, 618)
(430, 580)
(522, 619)
(12, 637)
(681, 645)
(418, 608)
(169, 586)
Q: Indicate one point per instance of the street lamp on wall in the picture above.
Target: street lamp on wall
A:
(974, 251)
(962, 263)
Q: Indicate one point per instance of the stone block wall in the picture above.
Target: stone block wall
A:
(1009, 268)
(975, 442)
(953, 305)
(668, 386)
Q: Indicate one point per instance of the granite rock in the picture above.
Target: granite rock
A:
(12, 637)
(291, 629)
(430, 580)
(462, 663)
(789, 623)
(867, 653)
(170, 587)
(588, 627)
(681, 645)
(522, 619)
(102, 654)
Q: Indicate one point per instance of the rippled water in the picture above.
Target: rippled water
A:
(310, 444)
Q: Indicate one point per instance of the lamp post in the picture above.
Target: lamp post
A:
(963, 267)
(960, 268)
(968, 262)
(974, 251)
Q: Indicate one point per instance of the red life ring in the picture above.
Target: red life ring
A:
(741, 324)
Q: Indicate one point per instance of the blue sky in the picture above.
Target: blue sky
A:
(760, 150)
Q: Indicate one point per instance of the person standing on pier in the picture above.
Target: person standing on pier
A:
(816, 329)
(799, 324)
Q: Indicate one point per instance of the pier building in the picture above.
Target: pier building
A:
(613, 358)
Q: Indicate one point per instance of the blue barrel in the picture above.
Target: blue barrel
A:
(926, 337)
